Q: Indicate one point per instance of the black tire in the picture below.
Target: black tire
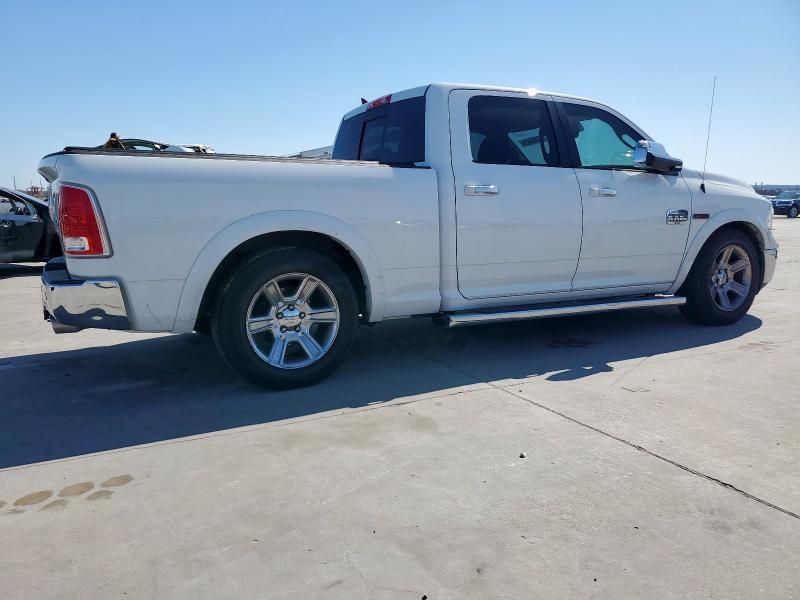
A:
(231, 311)
(701, 306)
(793, 212)
(203, 326)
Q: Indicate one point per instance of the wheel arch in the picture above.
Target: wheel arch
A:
(733, 219)
(328, 235)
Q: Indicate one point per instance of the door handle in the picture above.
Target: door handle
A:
(598, 191)
(481, 190)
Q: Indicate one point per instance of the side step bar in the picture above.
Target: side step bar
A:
(480, 318)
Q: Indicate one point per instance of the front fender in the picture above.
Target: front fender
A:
(253, 226)
(701, 236)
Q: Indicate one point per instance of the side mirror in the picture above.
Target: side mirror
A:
(652, 156)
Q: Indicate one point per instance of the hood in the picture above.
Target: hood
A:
(717, 179)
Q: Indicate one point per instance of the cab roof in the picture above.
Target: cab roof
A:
(448, 87)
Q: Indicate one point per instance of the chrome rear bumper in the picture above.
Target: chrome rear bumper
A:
(73, 304)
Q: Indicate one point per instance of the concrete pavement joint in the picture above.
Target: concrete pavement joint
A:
(629, 371)
(724, 484)
(683, 467)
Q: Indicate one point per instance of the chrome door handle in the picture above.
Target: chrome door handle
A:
(481, 190)
(598, 191)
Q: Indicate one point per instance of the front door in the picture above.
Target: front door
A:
(518, 212)
(635, 223)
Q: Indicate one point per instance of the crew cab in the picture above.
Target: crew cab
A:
(472, 204)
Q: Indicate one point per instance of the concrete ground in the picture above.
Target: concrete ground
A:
(661, 461)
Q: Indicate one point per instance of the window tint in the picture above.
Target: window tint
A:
(348, 139)
(372, 141)
(602, 139)
(393, 134)
(511, 131)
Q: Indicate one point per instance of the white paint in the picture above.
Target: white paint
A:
(422, 245)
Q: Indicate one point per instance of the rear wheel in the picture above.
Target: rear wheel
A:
(287, 318)
(723, 281)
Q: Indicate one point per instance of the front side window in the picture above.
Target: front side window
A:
(602, 140)
(511, 131)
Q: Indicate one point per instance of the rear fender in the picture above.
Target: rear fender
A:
(253, 226)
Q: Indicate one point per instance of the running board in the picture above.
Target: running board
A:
(501, 316)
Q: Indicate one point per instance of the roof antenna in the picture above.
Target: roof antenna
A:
(708, 135)
(363, 101)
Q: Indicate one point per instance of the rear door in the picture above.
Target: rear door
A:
(518, 210)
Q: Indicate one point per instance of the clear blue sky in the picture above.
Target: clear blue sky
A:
(272, 78)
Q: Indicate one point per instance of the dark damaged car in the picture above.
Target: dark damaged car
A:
(27, 233)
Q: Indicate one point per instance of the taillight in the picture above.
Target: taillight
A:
(379, 102)
(81, 232)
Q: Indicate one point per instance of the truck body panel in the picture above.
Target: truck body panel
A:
(476, 221)
(163, 212)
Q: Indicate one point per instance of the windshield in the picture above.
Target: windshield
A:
(787, 195)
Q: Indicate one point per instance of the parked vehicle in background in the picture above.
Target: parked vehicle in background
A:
(787, 203)
(323, 152)
(201, 148)
(27, 233)
(140, 145)
(469, 203)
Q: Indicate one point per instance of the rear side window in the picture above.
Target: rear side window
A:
(393, 134)
(511, 131)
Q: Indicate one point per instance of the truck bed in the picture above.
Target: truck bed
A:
(173, 217)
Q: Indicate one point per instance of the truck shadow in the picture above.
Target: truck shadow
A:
(8, 271)
(64, 404)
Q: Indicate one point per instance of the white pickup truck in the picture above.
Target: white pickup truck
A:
(469, 203)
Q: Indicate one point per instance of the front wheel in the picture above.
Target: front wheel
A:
(723, 281)
(793, 212)
(286, 318)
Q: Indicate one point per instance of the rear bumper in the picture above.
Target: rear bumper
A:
(73, 304)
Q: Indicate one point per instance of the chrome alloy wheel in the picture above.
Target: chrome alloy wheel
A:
(731, 277)
(292, 321)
